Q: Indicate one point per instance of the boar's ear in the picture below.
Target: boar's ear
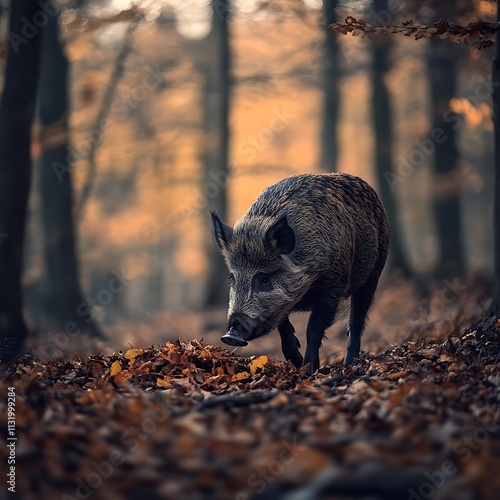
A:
(281, 236)
(222, 232)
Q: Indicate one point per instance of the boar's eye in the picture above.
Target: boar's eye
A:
(263, 282)
(231, 278)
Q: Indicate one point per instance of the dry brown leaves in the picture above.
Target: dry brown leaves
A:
(196, 421)
(480, 34)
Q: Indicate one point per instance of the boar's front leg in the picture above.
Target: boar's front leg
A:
(289, 342)
(322, 317)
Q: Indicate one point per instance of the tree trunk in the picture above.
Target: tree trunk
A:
(443, 76)
(216, 142)
(382, 127)
(331, 99)
(61, 284)
(495, 306)
(16, 117)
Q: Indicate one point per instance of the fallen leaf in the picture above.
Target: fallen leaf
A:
(116, 367)
(164, 382)
(395, 375)
(257, 363)
(240, 376)
(120, 381)
(446, 358)
(133, 353)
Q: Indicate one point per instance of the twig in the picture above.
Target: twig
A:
(235, 401)
(107, 101)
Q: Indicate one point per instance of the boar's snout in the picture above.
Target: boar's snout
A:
(233, 338)
(240, 329)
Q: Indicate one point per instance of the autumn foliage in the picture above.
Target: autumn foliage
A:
(197, 421)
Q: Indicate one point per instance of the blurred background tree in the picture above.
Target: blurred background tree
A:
(331, 91)
(495, 306)
(215, 155)
(382, 119)
(60, 293)
(17, 111)
(443, 73)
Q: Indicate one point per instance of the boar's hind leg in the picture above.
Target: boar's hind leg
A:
(360, 304)
(289, 342)
(321, 318)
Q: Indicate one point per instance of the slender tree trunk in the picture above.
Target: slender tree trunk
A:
(382, 126)
(216, 142)
(443, 80)
(62, 291)
(331, 98)
(17, 110)
(495, 306)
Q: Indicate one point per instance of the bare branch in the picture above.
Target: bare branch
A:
(108, 98)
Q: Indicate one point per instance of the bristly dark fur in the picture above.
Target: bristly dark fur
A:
(317, 239)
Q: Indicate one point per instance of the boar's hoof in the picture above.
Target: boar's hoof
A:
(351, 361)
(233, 338)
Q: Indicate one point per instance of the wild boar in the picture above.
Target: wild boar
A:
(307, 243)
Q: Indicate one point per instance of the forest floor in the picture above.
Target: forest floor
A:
(418, 418)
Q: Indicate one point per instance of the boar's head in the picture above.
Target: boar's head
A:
(265, 281)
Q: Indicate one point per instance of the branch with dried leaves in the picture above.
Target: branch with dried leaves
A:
(480, 34)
